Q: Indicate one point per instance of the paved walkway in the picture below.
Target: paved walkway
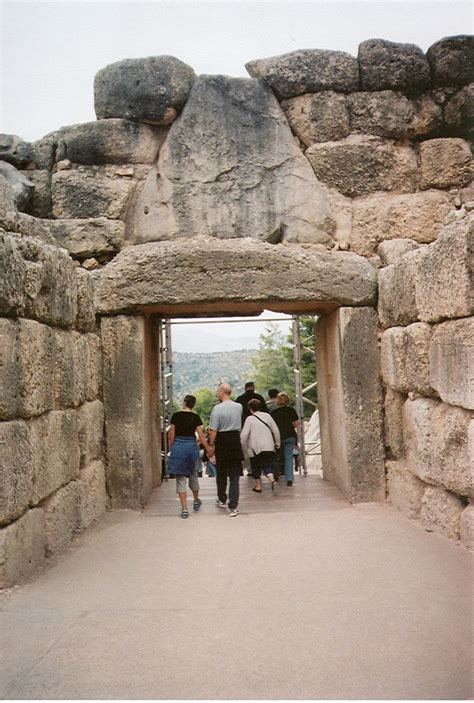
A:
(301, 596)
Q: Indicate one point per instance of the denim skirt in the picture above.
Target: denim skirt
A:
(183, 457)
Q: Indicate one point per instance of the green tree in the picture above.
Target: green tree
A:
(272, 369)
(308, 361)
(205, 401)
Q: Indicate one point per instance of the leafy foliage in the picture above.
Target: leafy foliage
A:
(273, 370)
(205, 401)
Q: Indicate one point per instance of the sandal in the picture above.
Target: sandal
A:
(257, 490)
(197, 504)
(184, 514)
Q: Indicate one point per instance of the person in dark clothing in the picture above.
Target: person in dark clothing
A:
(286, 419)
(272, 399)
(185, 452)
(250, 395)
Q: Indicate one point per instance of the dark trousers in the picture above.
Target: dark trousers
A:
(229, 466)
(234, 487)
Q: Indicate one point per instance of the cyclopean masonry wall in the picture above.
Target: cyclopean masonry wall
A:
(291, 190)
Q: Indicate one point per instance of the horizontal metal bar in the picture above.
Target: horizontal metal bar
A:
(310, 402)
(308, 388)
(222, 321)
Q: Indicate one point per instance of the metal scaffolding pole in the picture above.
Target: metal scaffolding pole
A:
(299, 392)
(166, 382)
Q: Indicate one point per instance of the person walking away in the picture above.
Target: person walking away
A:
(249, 395)
(271, 402)
(260, 437)
(287, 420)
(224, 440)
(183, 462)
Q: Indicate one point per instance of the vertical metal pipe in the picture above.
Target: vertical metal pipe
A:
(299, 391)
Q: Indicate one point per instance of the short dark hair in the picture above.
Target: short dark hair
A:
(189, 401)
(273, 392)
(254, 405)
(249, 384)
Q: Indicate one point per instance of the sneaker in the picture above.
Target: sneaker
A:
(233, 513)
(197, 504)
(220, 504)
(289, 483)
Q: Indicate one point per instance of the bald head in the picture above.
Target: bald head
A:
(224, 391)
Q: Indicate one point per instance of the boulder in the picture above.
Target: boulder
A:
(8, 208)
(405, 491)
(459, 113)
(93, 494)
(16, 471)
(255, 273)
(152, 89)
(21, 186)
(441, 512)
(391, 250)
(14, 150)
(445, 163)
(404, 355)
(61, 515)
(112, 141)
(22, 548)
(415, 216)
(393, 426)
(451, 60)
(307, 71)
(466, 527)
(386, 65)
(360, 165)
(40, 204)
(392, 115)
(452, 362)
(318, 117)
(397, 294)
(230, 168)
(88, 193)
(88, 237)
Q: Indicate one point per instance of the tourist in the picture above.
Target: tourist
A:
(224, 440)
(184, 458)
(271, 402)
(260, 438)
(246, 397)
(286, 419)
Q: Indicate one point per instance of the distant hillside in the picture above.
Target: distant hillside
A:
(194, 371)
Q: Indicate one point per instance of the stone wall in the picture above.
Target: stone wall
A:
(52, 478)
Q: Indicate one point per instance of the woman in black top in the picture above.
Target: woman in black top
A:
(286, 419)
(185, 452)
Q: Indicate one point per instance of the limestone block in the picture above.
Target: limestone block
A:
(8, 208)
(386, 65)
(223, 173)
(70, 369)
(393, 422)
(111, 141)
(92, 351)
(466, 527)
(61, 516)
(88, 192)
(445, 163)
(41, 202)
(35, 227)
(9, 370)
(55, 450)
(93, 494)
(392, 115)
(21, 186)
(404, 357)
(438, 440)
(43, 151)
(405, 491)
(12, 274)
(85, 318)
(255, 272)
(452, 362)
(397, 293)
(14, 150)
(22, 548)
(417, 216)
(88, 237)
(451, 60)
(459, 113)
(318, 117)
(91, 431)
(341, 212)
(16, 472)
(307, 71)
(362, 164)
(441, 512)
(152, 89)
(35, 359)
(443, 283)
(391, 250)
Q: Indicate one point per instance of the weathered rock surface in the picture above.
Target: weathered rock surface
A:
(386, 65)
(231, 168)
(88, 237)
(438, 440)
(16, 472)
(85, 318)
(444, 278)
(8, 208)
(14, 150)
(93, 494)
(92, 352)
(441, 512)
(87, 193)
(361, 165)
(34, 227)
(392, 115)
(22, 548)
(40, 204)
(445, 163)
(307, 71)
(459, 113)
(61, 512)
(91, 431)
(70, 369)
(416, 216)
(318, 117)
(452, 362)
(152, 89)
(393, 426)
(451, 60)
(404, 355)
(112, 141)
(391, 250)
(405, 491)
(21, 186)
(253, 272)
(466, 527)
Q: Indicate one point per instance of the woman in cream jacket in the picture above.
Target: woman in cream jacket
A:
(260, 438)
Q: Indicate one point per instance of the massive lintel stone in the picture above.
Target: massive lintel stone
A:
(393, 66)
(152, 89)
(452, 60)
(307, 71)
(230, 168)
(206, 272)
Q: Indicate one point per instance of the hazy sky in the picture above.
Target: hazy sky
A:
(50, 52)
